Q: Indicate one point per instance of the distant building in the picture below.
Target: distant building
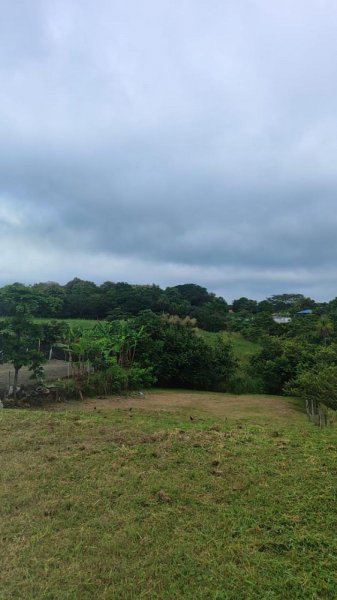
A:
(281, 319)
(306, 311)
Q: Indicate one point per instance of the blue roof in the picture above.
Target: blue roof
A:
(306, 311)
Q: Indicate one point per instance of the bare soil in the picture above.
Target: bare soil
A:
(53, 370)
(197, 403)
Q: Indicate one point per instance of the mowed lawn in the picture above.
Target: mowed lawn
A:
(176, 495)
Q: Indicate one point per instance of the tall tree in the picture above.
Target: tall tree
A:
(19, 335)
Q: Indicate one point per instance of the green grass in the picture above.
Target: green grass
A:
(243, 348)
(82, 323)
(148, 504)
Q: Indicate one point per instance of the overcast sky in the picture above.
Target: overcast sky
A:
(170, 141)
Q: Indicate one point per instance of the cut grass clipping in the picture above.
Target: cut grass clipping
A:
(165, 503)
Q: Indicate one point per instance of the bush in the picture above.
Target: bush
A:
(244, 383)
(278, 362)
(316, 386)
(139, 378)
(182, 359)
(116, 380)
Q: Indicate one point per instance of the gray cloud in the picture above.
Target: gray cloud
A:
(169, 142)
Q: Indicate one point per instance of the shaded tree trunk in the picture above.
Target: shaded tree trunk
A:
(15, 381)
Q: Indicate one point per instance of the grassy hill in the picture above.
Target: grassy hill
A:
(243, 348)
(176, 495)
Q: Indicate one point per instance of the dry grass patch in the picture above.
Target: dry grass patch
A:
(202, 404)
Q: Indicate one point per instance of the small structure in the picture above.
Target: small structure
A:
(281, 319)
(306, 311)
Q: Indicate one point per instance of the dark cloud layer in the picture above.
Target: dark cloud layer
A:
(168, 142)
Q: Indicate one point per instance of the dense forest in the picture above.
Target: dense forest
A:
(145, 335)
(114, 301)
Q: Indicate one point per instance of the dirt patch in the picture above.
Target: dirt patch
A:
(222, 405)
(54, 369)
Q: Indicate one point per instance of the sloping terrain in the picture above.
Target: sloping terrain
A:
(175, 495)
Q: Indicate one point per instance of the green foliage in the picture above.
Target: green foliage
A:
(180, 358)
(19, 335)
(298, 367)
(102, 358)
(140, 378)
(278, 362)
(325, 328)
(243, 382)
(120, 301)
(116, 380)
(244, 305)
(36, 299)
(316, 379)
(212, 316)
(37, 371)
(292, 302)
(304, 328)
(194, 294)
(163, 339)
(243, 349)
(318, 385)
(118, 339)
(259, 325)
(82, 299)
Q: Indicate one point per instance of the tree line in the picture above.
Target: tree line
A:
(114, 355)
(136, 346)
(298, 357)
(115, 301)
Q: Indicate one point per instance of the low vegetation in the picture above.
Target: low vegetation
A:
(171, 496)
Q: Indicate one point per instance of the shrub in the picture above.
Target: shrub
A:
(278, 362)
(182, 359)
(244, 383)
(316, 386)
(116, 380)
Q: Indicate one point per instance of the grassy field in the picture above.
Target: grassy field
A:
(82, 323)
(175, 495)
(243, 349)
